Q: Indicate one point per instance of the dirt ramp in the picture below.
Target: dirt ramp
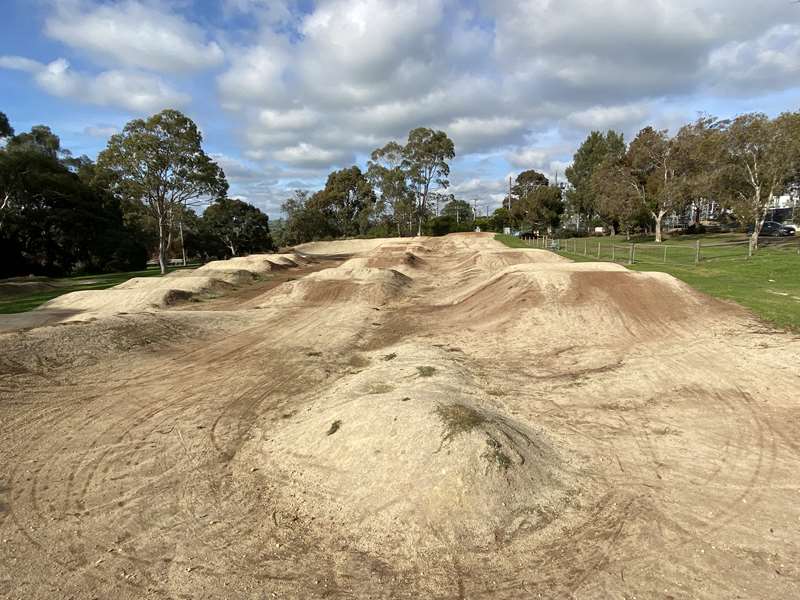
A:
(191, 282)
(99, 303)
(580, 300)
(407, 458)
(400, 258)
(344, 247)
(350, 282)
(230, 275)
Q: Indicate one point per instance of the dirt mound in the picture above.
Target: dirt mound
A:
(190, 282)
(582, 299)
(229, 275)
(343, 247)
(350, 282)
(399, 258)
(96, 303)
(419, 461)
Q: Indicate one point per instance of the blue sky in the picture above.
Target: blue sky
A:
(286, 91)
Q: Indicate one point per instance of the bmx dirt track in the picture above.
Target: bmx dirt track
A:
(431, 418)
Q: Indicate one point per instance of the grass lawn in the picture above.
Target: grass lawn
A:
(28, 301)
(768, 283)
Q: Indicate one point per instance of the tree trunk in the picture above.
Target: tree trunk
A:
(162, 246)
(183, 248)
(754, 235)
(658, 217)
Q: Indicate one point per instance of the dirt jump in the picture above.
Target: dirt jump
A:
(400, 418)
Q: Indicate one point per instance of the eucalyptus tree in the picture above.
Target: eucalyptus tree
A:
(160, 162)
(6, 130)
(385, 172)
(660, 176)
(425, 161)
(758, 156)
(591, 153)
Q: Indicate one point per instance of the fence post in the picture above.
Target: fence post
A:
(632, 254)
(665, 254)
(613, 252)
(697, 253)
(585, 246)
(598, 249)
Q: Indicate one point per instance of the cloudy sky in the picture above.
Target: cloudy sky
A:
(284, 91)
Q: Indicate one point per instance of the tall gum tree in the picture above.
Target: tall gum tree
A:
(160, 162)
(425, 160)
(385, 173)
(659, 179)
(591, 153)
(759, 155)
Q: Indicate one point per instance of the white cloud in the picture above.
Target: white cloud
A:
(770, 61)
(101, 130)
(308, 155)
(609, 117)
(349, 75)
(132, 90)
(132, 34)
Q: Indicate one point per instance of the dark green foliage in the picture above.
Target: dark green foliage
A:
(160, 163)
(55, 223)
(6, 130)
(347, 202)
(589, 155)
(240, 226)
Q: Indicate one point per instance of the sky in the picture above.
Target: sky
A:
(286, 91)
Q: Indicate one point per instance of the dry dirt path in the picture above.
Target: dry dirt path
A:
(433, 418)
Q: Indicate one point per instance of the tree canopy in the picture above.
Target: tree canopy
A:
(160, 162)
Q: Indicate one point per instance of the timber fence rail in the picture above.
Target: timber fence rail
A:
(691, 252)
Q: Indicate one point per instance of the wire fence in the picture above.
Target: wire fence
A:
(690, 253)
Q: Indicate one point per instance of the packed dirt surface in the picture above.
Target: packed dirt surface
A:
(418, 418)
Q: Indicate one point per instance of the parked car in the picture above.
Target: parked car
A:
(791, 226)
(773, 229)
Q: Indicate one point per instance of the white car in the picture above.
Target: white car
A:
(791, 226)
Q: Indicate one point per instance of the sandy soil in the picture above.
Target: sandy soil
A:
(430, 418)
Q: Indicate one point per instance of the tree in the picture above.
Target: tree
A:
(425, 157)
(303, 222)
(539, 206)
(661, 180)
(53, 222)
(758, 157)
(347, 200)
(385, 172)
(241, 226)
(460, 210)
(616, 193)
(589, 155)
(41, 139)
(160, 162)
(528, 181)
(6, 130)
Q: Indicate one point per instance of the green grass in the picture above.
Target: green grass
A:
(511, 241)
(767, 283)
(24, 302)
